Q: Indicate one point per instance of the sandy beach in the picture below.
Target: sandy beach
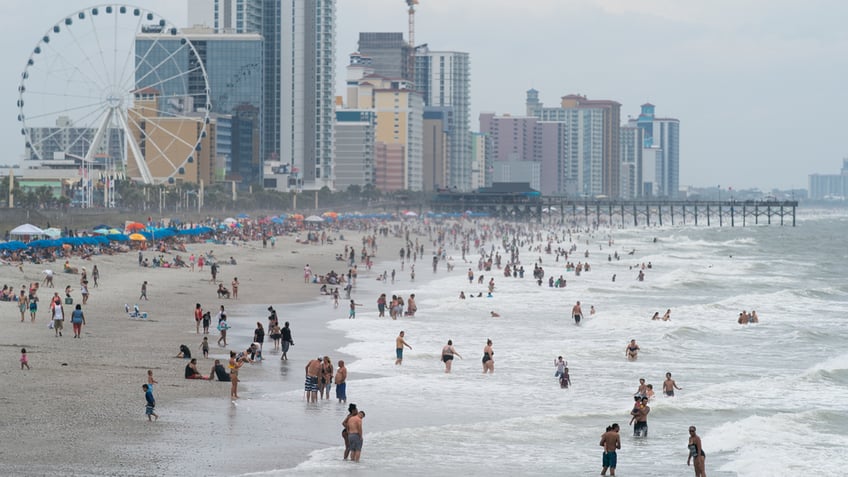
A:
(80, 409)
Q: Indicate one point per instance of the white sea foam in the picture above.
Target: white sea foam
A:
(747, 388)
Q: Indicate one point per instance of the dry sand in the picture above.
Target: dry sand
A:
(80, 409)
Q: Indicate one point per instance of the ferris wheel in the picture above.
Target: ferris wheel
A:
(116, 86)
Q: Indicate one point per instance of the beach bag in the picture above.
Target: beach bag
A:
(50, 325)
(69, 300)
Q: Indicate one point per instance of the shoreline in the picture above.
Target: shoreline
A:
(89, 390)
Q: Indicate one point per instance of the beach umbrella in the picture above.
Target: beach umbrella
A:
(26, 229)
(13, 245)
(277, 220)
(117, 237)
(243, 216)
(53, 232)
(101, 226)
(230, 220)
(113, 231)
(314, 218)
(135, 226)
(137, 237)
(102, 231)
(296, 217)
(410, 213)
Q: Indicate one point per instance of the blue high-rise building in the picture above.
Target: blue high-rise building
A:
(661, 148)
(234, 69)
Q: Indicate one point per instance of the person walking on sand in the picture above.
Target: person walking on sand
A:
(223, 326)
(399, 344)
(286, 340)
(143, 291)
(610, 441)
(24, 359)
(77, 320)
(95, 275)
(488, 358)
(234, 365)
(696, 452)
(33, 306)
(150, 403)
(23, 304)
(448, 352)
(341, 382)
(235, 285)
(198, 317)
(58, 315)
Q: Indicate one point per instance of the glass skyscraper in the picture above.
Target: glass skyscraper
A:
(234, 68)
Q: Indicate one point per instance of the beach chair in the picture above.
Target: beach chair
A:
(135, 312)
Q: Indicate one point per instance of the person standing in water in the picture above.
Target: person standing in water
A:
(399, 344)
(448, 352)
(610, 441)
(577, 313)
(669, 386)
(632, 350)
(696, 452)
(488, 358)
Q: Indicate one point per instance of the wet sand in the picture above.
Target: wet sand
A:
(80, 409)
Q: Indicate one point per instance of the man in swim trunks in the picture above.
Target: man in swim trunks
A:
(610, 441)
(577, 313)
(313, 368)
(641, 427)
(669, 386)
(696, 452)
(399, 344)
(355, 435)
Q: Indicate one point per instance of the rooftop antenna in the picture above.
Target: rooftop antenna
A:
(411, 67)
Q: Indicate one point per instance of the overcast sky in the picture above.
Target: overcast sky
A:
(758, 85)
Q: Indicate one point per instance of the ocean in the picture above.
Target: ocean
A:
(768, 399)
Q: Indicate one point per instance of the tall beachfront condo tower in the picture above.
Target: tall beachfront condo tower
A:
(388, 51)
(299, 44)
(306, 84)
(587, 136)
(661, 141)
(444, 80)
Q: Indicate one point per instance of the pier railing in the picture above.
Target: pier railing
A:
(636, 212)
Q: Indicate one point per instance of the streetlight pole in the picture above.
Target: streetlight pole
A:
(719, 193)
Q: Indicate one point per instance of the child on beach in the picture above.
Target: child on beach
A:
(204, 347)
(150, 403)
(353, 306)
(150, 380)
(24, 359)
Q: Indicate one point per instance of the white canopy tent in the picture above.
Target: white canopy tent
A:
(26, 229)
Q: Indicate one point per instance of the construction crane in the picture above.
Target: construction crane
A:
(411, 67)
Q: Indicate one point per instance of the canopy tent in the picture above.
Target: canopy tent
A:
(26, 229)
(314, 219)
(53, 232)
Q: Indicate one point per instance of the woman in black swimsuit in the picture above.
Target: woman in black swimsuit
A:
(488, 359)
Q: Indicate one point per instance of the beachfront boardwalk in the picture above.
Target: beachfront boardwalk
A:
(625, 212)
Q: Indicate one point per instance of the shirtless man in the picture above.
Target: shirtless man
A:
(696, 451)
(341, 382)
(313, 369)
(632, 350)
(641, 427)
(577, 313)
(669, 386)
(399, 344)
(610, 441)
(355, 435)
